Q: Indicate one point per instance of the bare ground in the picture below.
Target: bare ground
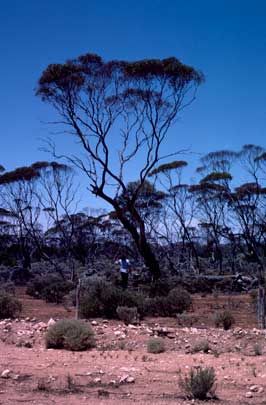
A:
(120, 371)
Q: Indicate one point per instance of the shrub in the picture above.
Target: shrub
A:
(155, 345)
(257, 349)
(254, 298)
(101, 299)
(10, 307)
(224, 319)
(51, 288)
(70, 334)
(127, 315)
(201, 346)
(199, 383)
(179, 300)
(8, 288)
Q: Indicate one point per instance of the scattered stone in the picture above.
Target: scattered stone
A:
(97, 380)
(254, 388)
(51, 322)
(127, 379)
(6, 374)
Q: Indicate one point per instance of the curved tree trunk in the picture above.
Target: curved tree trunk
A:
(143, 246)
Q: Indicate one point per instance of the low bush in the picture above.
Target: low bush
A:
(51, 288)
(70, 334)
(177, 301)
(199, 383)
(155, 345)
(129, 315)
(257, 349)
(8, 288)
(201, 346)
(10, 307)
(101, 299)
(224, 319)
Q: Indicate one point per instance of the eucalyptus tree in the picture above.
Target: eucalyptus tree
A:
(211, 202)
(236, 210)
(120, 113)
(177, 219)
(248, 203)
(18, 200)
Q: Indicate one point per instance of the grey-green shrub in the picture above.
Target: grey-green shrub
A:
(101, 299)
(179, 300)
(155, 345)
(199, 383)
(70, 334)
(51, 288)
(201, 346)
(224, 319)
(10, 307)
(257, 349)
(127, 314)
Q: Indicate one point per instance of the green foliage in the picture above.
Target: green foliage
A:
(51, 288)
(177, 164)
(199, 383)
(10, 307)
(70, 334)
(177, 301)
(127, 315)
(216, 176)
(257, 349)
(155, 345)
(224, 319)
(201, 346)
(101, 299)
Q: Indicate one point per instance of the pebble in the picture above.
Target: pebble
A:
(5, 374)
(249, 394)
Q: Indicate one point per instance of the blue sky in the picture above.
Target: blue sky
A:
(224, 39)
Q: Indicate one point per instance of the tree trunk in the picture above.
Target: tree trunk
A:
(149, 259)
(261, 310)
(143, 246)
(78, 288)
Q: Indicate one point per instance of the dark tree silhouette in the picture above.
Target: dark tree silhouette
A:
(120, 112)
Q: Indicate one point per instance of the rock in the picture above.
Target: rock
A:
(94, 323)
(126, 379)
(254, 388)
(51, 322)
(130, 380)
(249, 394)
(41, 325)
(6, 374)
(97, 380)
(130, 326)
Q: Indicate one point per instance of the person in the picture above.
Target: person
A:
(125, 268)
